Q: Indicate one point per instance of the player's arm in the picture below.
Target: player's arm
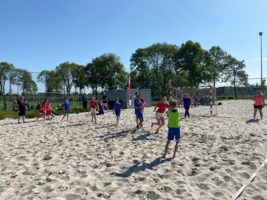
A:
(113, 109)
(120, 110)
(263, 102)
(18, 107)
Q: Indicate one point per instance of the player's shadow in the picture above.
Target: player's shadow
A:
(137, 167)
(115, 135)
(142, 137)
(252, 121)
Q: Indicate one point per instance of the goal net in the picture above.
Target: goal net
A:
(203, 99)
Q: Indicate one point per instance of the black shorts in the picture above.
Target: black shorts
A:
(258, 107)
(21, 114)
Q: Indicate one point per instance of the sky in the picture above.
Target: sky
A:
(39, 35)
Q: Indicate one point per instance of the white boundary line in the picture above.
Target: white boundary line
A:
(239, 192)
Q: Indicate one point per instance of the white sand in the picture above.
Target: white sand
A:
(80, 160)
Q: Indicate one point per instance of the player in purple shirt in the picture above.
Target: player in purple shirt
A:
(187, 103)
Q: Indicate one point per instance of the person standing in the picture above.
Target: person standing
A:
(21, 107)
(5, 103)
(259, 103)
(84, 100)
(187, 103)
(105, 100)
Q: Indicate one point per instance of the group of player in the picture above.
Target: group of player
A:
(166, 107)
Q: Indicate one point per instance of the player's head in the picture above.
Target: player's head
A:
(66, 99)
(186, 95)
(138, 97)
(92, 98)
(21, 98)
(48, 104)
(84, 94)
(173, 103)
(117, 100)
(164, 100)
(104, 93)
(259, 93)
(101, 102)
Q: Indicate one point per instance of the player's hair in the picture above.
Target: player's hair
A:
(173, 103)
(66, 98)
(21, 97)
(166, 102)
(116, 98)
(138, 96)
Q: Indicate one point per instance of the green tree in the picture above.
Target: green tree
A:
(235, 73)
(155, 66)
(64, 72)
(142, 67)
(219, 57)
(5, 69)
(196, 62)
(78, 75)
(43, 77)
(54, 82)
(12, 79)
(111, 71)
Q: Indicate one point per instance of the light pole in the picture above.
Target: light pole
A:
(260, 33)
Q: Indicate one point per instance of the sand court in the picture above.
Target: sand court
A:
(82, 160)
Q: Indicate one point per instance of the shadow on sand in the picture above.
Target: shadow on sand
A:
(137, 168)
(252, 121)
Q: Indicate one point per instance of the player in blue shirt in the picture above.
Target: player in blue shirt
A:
(67, 109)
(138, 111)
(117, 110)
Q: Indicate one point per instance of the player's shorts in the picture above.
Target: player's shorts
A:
(174, 132)
(258, 107)
(117, 114)
(41, 113)
(105, 104)
(159, 115)
(139, 114)
(21, 113)
(67, 111)
(92, 110)
(49, 116)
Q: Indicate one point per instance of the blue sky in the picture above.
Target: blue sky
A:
(38, 35)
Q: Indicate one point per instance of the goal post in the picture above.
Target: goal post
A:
(209, 91)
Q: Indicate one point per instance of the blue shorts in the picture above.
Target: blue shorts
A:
(139, 114)
(67, 111)
(174, 132)
(117, 114)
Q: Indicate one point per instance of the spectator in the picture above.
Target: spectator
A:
(196, 102)
(5, 103)
(14, 106)
(27, 105)
(38, 106)
(84, 100)
(105, 100)
(206, 100)
(202, 101)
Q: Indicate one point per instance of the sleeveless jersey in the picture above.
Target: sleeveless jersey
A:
(174, 119)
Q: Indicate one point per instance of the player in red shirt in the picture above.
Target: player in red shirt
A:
(93, 106)
(42, 110)
(162, 106)
(49, 113)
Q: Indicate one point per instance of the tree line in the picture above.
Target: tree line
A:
(157, 67)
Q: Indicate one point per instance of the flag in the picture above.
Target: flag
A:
(130, 94)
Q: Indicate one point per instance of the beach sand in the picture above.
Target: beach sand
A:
(82, 160)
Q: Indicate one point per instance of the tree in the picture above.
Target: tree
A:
(155, 63)
(5, 69)
(219, 57)
(196, 62)
(142, 68)
(64, 72)
(111, 71)
(78, 75)
(235, 73)
(12, 79)
(43, 77)
(54, 82)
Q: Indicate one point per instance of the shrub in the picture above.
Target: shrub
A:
(230, 97)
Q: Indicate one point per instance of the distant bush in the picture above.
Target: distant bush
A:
(230, 97)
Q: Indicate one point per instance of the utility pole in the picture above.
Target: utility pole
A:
(261, 61)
